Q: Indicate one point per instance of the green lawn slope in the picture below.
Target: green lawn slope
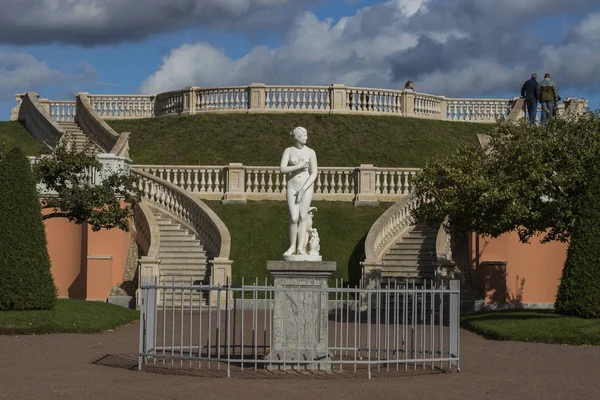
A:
(259, 139)
(259, 233)
(13, 134)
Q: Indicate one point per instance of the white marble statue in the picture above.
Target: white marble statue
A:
(299, 163)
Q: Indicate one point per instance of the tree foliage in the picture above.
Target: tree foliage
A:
(102, 205)
(527, 179)
(579, 290)
(25, 279)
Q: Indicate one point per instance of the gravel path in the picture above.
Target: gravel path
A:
(103, 366)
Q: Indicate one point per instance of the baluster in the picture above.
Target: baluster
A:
(270, 182)
(346, 182)
(293, 100)
(255, 184)
(319, 186)
(309, 105)
(262, 188)
(326, 182)
(277, 188)
(248, 181)
(377, 182)
(195, 187)
(384, 185)
(209, 181)
(174, 173)
(218, 188)
(340, 184)
(188, 181)
(202, 181)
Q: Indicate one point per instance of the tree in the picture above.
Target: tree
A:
(535, 180)
(25, 279)
(579, 290)
(104, 205)
(527, 179)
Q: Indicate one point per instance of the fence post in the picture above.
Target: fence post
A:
(235, 186)
(454, 310)
(338, 97)
(367, 195)
(147, 273)
(257, 96)
(408, 103)
(220, 275)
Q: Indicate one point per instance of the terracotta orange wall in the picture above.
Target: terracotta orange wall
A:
(66, 246)
(85, 264)
(531, 274)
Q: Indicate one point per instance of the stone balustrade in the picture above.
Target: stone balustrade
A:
(331, 99)
(110, 163)
(237, 182)
(129, 106)
(62, 110)
(187, 209)
(38, 120)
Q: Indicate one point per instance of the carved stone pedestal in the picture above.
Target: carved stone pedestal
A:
(300, 319)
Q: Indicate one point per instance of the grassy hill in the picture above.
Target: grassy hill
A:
(13, 134)
(259, 139)
(259, 233)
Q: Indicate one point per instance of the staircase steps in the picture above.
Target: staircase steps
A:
(77, 139)
(183, 261)
(413, 256)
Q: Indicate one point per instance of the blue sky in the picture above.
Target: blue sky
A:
(457, 48)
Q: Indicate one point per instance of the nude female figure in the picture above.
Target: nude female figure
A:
(299, 162)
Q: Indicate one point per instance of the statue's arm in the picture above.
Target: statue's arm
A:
(285, 159)
(313, 172)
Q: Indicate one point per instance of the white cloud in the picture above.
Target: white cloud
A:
(449, 47)
(21, 72)
(92, 22)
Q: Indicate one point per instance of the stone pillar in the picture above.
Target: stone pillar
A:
(367, 195)
(408, 103)
(443, 107)
(235, 191)
(189, 101)
(338, 97)
(300, 318)
(256, 96)
(220, 275)
(147, 273)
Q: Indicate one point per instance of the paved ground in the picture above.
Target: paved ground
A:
(102, 366)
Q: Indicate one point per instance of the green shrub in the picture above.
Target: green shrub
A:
(579, 290)
(25, 279)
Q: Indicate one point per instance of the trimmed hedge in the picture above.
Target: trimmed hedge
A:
(25, 279)
(579, 291)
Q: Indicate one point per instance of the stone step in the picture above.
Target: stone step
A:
(418, 240)
(183, 261)
(195, 253)
(177, 232)
(180, 247)
(171, 238)
(171, 227)
(415, 246)
(409, 256)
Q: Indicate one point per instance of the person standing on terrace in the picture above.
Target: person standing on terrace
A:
(409, 86)
(549, 97)
(531, 91)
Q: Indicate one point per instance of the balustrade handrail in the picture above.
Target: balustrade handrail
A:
(388, 227)
(38, 121)
(192, 212)
(94, 126)
(147, 231)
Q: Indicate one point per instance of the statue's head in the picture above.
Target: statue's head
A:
(298, 132)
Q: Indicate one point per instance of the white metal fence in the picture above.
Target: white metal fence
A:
(382, 327)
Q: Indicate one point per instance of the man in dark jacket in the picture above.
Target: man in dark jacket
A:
(531, 92)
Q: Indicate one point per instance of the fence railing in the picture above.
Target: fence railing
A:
(382, 327)
(239, 182)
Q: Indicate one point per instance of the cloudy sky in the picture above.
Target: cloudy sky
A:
(456, 48)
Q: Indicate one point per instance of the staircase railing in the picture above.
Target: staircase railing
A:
(38, 121)
(394, 222)
(98, 130)
(195, 215)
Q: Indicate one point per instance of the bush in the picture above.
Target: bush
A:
(25, 279)
(579, 291)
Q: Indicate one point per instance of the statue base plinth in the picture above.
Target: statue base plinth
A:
(300, 315)
(302, 257)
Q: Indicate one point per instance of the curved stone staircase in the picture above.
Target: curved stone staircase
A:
(183, 259)
(413, 255)
(76, 138)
